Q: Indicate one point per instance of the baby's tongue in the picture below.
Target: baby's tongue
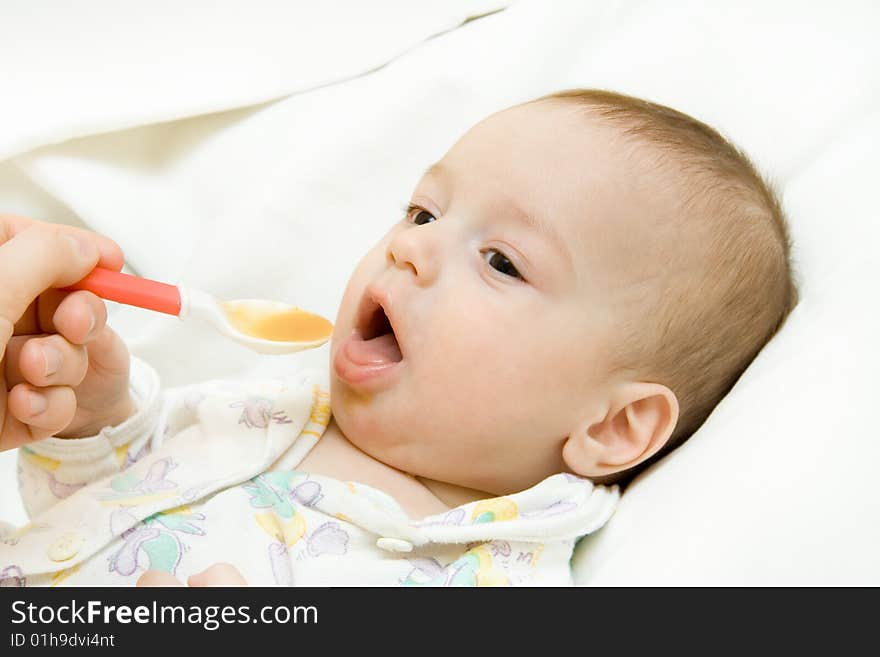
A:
(377, 351)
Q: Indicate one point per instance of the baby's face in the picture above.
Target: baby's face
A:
(503, 286)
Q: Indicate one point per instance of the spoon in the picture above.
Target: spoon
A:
(268, 327)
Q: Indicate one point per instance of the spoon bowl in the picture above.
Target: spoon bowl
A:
(247, 320)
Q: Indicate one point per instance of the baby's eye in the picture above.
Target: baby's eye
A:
(499, 262)
(419, 216)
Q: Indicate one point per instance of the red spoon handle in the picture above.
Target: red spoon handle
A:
(131, 290)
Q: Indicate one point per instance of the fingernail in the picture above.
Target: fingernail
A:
(38, 403)
(84, 245)
(53, 360)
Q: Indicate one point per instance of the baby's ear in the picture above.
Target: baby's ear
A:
(639, 421)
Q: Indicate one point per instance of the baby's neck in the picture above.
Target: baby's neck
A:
(452, 495)
(335, 456)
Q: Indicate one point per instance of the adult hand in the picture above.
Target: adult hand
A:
(220, 574)
(47, 371)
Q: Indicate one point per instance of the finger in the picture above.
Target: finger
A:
(111, 256)
(48, 361)
(108, 354)
(43, 411)
(220, 574)
(80, 317)
(11, 370)
(33, 261)
(51, 257)
(38, 316)
(158, 578)
(14, 433)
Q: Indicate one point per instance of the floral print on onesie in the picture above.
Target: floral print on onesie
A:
(207, 473)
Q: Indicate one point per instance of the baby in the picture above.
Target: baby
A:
(573, 287)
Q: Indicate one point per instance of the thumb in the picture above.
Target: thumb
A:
(35, 260)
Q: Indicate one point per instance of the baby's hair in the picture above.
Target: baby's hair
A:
(712, 321)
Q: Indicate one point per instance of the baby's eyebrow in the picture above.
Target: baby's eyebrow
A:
(436, 169)
(543, 228)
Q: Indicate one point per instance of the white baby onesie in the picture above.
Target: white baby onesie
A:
(207, 474)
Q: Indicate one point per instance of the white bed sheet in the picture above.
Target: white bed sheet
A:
(283, 197)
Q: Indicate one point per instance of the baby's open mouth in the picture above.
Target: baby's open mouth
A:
(378, 342)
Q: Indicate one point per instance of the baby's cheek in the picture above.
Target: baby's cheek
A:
(474, 342)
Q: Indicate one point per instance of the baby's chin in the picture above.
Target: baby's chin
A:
(359, 421)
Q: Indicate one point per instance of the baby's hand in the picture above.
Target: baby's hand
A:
(220, 574)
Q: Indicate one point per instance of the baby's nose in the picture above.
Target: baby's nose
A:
(414, 252)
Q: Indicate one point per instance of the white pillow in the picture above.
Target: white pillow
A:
(71, 69)
(779, 486)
